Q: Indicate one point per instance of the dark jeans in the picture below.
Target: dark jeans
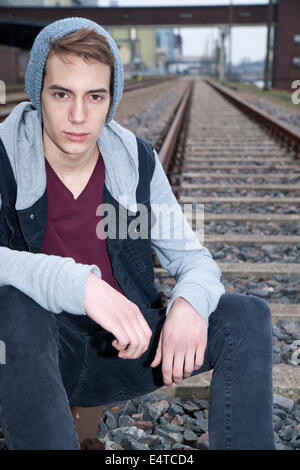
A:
(54, 360)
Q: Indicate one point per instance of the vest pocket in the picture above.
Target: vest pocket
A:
(10, 233)
(137, 252)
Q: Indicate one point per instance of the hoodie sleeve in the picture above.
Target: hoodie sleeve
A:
(54, 282)
(179, 251)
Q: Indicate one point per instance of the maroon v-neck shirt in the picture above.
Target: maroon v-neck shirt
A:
(71, 223)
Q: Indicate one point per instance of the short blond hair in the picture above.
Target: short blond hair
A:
(88, 44)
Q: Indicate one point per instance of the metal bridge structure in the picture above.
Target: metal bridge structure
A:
(20, 25)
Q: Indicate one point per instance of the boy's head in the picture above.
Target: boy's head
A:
(80, 42)
(86, 44)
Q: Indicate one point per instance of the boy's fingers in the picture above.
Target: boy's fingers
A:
(157, 358)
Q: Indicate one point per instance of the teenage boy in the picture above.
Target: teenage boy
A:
(81, 317)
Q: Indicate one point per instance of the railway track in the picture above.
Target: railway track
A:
(215, 154)
(246, 173)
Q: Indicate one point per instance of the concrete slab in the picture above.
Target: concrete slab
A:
(200, 174)
(239, 159)
(240, 239)
(257, 269)
(289, 312)
(243, 200)
(286, 382)
(258, 187)
(199, 386)
(241, 167)
(254, 269)
(237, 217)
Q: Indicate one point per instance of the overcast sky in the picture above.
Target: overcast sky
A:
(247, 42)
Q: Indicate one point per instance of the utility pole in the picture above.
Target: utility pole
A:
(222, 55)
(230, 21)
(267, 59)
(132, 46)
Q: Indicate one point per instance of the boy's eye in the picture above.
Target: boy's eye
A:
(60, 93)
(96, 96)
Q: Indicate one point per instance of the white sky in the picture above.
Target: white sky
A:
(247, 42)
(180, 2)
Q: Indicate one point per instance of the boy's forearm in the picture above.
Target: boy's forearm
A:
(54, 282)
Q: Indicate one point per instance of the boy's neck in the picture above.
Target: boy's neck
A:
(71, 169)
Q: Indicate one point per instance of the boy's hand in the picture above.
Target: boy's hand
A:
(182, 343)
(118, 315)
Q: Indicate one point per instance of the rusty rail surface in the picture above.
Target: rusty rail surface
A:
(171, 138)
(287, 137)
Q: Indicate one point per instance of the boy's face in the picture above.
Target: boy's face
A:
(75, 99)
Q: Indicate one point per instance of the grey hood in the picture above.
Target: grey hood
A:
(21, 134)
(41, 48)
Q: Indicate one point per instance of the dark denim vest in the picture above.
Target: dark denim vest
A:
(131, 259)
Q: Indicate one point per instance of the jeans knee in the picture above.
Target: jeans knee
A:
(247, 324)
(25, 326)
(259, 314)
(246, 312)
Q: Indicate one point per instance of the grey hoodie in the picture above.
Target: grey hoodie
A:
(58, 283)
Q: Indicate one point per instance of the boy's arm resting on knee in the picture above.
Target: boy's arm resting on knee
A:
(196, 273)
(54, 282)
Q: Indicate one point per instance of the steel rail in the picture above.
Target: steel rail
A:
(288, 137)
(171, 139)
